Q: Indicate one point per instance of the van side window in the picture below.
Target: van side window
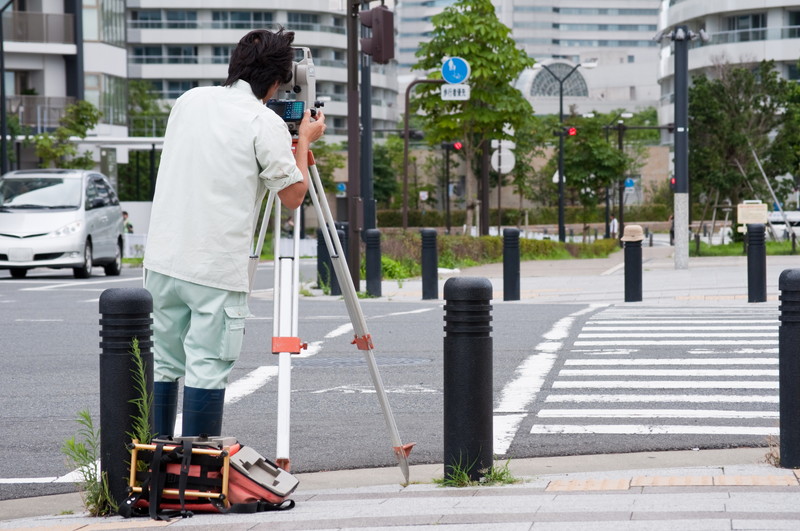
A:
(91, 194)
(103, 192)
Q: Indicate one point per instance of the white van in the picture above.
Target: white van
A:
(59, 219)
(777, 220)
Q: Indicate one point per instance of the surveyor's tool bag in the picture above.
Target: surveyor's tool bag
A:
(193, 474)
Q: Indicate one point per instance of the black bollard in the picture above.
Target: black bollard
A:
(794, 242)
(372, 239)
(697, 244)
(651, 239)
(324, 263)
(756, 263)
(789, 368)
(430, 265)
(632, 239)
(468, 400)
(125, 315)
(511, 264)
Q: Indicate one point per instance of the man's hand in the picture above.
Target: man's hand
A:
(308, 131)
(311, 131)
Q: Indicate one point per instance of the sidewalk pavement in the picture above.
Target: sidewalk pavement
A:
(698, 490)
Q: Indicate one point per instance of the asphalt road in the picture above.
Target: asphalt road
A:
(568, 378)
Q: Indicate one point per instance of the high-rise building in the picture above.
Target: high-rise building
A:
(611, 40)
(177, 45)
(755, 30)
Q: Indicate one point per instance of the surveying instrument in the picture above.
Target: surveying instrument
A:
(301, 94)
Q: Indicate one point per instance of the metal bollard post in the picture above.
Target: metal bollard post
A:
(794, 242)
(651, 239)
(430, 265)
(789, 367)
(324, 263)
(125, 314)
(468, 400)
(632, 239)
(697, 244)
(756, 263)
(372, 238)
(511, 264)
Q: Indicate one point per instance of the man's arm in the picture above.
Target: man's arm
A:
(292, 196)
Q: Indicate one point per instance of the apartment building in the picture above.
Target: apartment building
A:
(740, 31)
(611, 40)
(177, 45)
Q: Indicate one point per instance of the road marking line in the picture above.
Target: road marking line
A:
(83, 284)
(676, 361)
(673, 342)
(666, 384)
(597, 398)
(596, 335)
(250, 383)
(638, 429)
(655, 414)
(646, 328)
(528, 380)
(669, 372)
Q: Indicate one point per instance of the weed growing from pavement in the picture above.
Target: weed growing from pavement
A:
(773, 455)
(83, 455)
(458, 476)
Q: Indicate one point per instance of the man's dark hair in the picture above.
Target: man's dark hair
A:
(262, 58)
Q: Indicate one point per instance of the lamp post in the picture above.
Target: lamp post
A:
(562, 236)
(3, 116)
(616, 123)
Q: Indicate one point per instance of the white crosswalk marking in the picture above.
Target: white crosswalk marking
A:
(666, 372)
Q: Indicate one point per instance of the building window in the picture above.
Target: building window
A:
(241, 19)
(749, 27)
(146, 18)
(109, 95)
(181, 54)
(302, 21)
(174, 89)
(147, 54)
(222, 55)
(104, 21)
(181, 19)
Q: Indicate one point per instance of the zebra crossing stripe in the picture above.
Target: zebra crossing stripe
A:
(664, 384)
(639, 429)
(656, 414)
(600, 335)
(672, 342)
(607, 398)
(669, 372)
(674, 361)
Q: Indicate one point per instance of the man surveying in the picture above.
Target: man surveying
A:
(222, 148)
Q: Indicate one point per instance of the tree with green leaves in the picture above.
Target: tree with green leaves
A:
(58, 148)
(470, 29)
(732, 115)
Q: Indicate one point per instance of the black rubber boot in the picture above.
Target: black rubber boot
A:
(165, 408)
(202, 411)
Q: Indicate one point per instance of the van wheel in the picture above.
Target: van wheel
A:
(115, 268)
(18, 273)
(86, 270)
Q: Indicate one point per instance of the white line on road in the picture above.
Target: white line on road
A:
(673, 342)
(596, 335)
(646, 328)
(675, 361)
(635, 429)
(528, 379)
(249, 384)
(669, 372)
(721, 322)
(664, 384)
(696, 399)
(84, 284)
(656, 413)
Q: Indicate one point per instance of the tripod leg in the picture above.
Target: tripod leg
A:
(363, 339)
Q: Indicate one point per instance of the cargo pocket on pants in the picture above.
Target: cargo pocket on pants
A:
(234, 332)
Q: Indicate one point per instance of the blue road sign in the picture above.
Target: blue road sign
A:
(455, 70)
(629, 183)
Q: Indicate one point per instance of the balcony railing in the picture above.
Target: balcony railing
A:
(749, 35)
(40, 113)
(23, 26)
(215, 24)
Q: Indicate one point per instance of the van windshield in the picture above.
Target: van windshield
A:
(40, 192)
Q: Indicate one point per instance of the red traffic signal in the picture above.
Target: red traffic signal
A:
(672, 183)
(457, 146)
(381, 45)
(572, 131)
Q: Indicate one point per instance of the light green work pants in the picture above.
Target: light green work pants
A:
(197, 331)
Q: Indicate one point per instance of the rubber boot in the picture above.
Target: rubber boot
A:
(202, 411)
(165, 408)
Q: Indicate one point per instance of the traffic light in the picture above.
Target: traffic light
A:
(381, 45)
(572, 131)
(455, 146)
(672, 183)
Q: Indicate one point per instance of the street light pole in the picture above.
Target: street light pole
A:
(562, 234)
(3, 111)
